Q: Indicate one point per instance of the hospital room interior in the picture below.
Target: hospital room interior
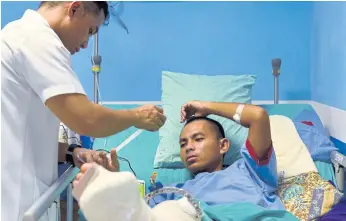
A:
(287, 57)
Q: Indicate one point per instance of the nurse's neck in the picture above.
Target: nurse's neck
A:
(54, 16)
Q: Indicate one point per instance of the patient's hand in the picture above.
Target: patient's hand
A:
(82, 156)
(193, 108)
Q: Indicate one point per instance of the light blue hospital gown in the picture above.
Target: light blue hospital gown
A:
(244, 181)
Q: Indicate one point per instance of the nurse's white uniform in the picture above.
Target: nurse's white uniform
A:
(35, 66)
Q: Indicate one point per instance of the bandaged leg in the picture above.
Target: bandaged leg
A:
(110, 196)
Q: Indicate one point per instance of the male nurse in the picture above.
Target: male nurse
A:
(39, 89)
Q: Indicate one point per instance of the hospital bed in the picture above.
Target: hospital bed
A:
(140, 149)
(140, 153)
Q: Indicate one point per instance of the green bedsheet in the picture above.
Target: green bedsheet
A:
(244, 212)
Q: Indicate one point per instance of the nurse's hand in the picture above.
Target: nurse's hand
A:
(149, 117)
(82, 156)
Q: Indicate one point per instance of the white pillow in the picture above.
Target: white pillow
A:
(292, 156)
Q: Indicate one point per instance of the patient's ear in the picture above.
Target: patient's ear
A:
(224, 145)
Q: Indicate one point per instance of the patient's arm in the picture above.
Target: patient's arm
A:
(253, 117)
(257, 151)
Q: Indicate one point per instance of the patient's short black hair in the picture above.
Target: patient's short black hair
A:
(221, 131)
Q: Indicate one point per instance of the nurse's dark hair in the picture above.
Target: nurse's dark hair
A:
(91, 6)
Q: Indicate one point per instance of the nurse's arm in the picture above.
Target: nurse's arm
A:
(85, 117)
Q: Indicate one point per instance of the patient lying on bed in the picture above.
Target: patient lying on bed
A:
(253, 178)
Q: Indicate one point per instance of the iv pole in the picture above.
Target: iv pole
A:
(96, 58)
(276, 64)
(96, 67)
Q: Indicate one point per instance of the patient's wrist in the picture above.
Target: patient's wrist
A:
(209, 107)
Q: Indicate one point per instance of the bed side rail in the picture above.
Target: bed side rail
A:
(339, 162)
(53, 192)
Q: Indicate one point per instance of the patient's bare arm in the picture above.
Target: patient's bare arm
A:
(253, 117)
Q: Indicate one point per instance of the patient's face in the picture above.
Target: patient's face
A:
(200, 148)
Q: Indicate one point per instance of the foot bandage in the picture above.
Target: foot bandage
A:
(113, 196)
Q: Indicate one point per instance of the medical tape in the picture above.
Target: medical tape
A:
(128, 140)
(122, 145)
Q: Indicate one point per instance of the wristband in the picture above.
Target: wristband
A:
(69, 153)
(238, 112)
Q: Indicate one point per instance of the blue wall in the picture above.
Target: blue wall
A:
(328, 70)
(197, 37)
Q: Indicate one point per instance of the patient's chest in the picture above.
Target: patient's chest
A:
(233, 184)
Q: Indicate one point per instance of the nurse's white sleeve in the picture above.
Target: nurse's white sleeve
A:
(46, 65)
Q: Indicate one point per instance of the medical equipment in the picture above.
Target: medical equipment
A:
(142, 187)
(276, 64)
(96, 67)
(96, 59)
(129, 139)
(339, 162)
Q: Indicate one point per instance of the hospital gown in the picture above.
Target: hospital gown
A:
(246, 180)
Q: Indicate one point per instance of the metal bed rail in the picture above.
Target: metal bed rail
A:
(339, 162)
(52, 194)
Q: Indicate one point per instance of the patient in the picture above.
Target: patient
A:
(253, 178)
(203, 144)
